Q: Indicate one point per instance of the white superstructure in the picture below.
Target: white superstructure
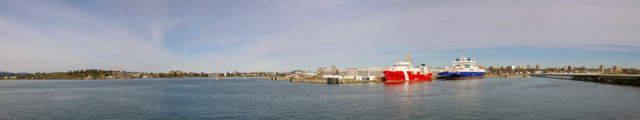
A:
(464, 64)
(407, 66)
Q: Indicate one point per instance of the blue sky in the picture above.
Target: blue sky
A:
(284, 35)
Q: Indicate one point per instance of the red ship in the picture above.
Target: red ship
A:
(405, 72)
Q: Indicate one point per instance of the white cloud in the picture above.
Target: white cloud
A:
(213, 36)
(159, 27)
(63, 38)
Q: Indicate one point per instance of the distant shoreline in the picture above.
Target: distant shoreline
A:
(145, 78)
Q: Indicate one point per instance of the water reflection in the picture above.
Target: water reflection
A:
(491, 98)
(401, 98)
(465, 97)
(362, 84)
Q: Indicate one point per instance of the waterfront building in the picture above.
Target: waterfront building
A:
(617, 68)
(358, 73)
(570, 68)
(601, 68)
(175, 72)
(334, 70)
(297, 72)
(325, 71)
(235, 73)
(537, 67)
(511, 67)
(320, 70)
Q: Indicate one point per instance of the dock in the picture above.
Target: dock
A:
(333, 81)
(276, 78)
(321, 80)
(508, 76)
(633, 80)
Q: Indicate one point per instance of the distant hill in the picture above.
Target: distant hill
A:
(296, 71)
(18, 73)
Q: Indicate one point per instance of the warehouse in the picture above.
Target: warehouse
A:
(362, 73)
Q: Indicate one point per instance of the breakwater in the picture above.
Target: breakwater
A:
(600, 78)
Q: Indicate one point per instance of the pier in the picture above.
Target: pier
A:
(276, 78)
(333, 81)
(507, 76)
(321, 80)
(601, 78)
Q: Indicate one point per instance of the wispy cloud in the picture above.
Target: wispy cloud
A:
(278, 35)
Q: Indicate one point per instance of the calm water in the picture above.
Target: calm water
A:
(253, 98)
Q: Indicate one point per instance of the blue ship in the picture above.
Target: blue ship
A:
(461, 75)
(462, 68)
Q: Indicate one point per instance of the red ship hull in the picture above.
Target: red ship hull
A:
(399, 76)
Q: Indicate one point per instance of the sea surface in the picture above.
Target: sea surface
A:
(254, 98)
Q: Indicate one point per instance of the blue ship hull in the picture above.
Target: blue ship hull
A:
(461, 75)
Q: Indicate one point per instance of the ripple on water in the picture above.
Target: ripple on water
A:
(491, 98)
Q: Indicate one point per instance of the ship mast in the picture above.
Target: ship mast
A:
(409, 58)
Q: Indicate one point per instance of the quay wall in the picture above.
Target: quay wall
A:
(508, 76)
(600, 78)
(621, 80)
(276, 78)
(331, 81)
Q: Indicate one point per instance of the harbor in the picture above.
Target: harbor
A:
(319, 59)
(633, 80)
(461, 68)
(401, 71)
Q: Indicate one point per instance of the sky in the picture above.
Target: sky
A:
(287, 35)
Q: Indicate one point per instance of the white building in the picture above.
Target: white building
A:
(617, 68)
(309, 73)
(359, 73)
(522, 67)
(511, 67)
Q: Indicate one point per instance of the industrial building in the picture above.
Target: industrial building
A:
(362, 72)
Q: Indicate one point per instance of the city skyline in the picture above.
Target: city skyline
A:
(217, 36)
